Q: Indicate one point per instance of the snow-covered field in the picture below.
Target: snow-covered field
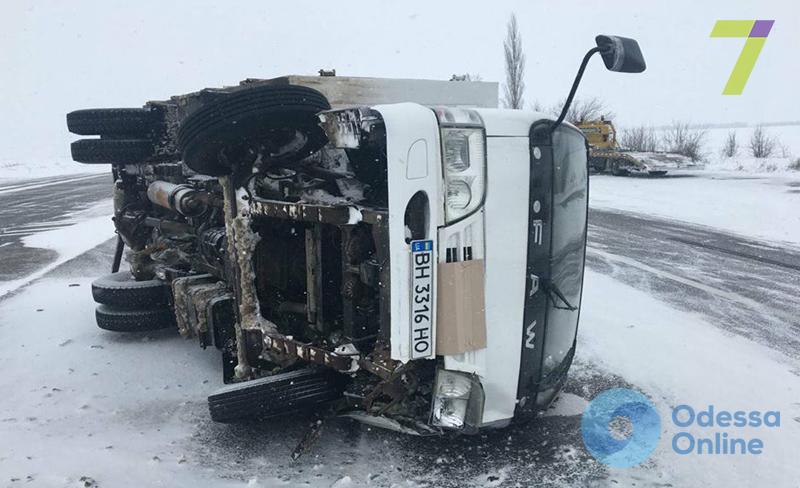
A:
(786, 137)
(11, 171)
(762, 206)
(758, 166)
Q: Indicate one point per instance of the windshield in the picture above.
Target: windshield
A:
(570, 192)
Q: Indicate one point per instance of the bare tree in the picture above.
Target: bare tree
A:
(537, 106)
(639, 139)
(731, 146)
(761, 144)
(783, 150)
(515, 65)
(681, 138)
(584, 109)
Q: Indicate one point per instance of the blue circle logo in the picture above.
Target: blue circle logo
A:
(620, 427)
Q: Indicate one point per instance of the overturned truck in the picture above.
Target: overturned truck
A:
(399, 251)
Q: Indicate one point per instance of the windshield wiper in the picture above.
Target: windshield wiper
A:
(553, 292)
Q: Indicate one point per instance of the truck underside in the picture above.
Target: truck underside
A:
(273, 235)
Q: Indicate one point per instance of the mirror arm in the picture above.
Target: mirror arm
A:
(575, 84)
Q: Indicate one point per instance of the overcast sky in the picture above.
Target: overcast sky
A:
(63, 55)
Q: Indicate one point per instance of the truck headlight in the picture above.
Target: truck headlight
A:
(457, 401)
(458, 195)
(464, 161)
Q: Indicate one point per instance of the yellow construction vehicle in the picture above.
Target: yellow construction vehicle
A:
(605, 154)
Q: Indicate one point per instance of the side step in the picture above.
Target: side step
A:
(276, 395)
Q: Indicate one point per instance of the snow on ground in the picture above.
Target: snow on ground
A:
(11, 171)
(90, 228)
(676, 357)
(79, 402)
(129, 410)
(773, 166)
(764, 207)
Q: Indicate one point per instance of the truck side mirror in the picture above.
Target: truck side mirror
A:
(621, 54)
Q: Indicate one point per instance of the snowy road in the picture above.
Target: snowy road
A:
(744, 286)
(41, 205)
(680, 312)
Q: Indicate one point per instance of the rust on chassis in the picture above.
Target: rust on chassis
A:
(244, 212)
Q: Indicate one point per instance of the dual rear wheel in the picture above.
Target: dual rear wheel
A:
(127, 135)
(277, 122)
(127, 305)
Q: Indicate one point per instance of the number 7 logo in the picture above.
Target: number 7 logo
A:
(756, 32)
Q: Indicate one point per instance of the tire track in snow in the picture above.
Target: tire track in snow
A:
(679, 279)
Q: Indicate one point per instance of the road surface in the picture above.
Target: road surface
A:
(746, 286)
(40, 205)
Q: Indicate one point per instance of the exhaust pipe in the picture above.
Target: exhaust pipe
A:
(179, 198)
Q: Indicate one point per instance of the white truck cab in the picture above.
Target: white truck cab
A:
(492, 195)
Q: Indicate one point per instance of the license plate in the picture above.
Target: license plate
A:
(421, 299)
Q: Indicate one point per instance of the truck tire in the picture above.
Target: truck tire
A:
(279, 115)
(123, 320)
(276, 395)
(615, 168)
(121, 290)
(111, 151)
(598, 164)
(113, 121)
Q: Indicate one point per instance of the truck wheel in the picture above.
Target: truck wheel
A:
(108, 151)
(616, 170)
(276, 395)
(121, 290)
(113, 121)
(280, 117)
(598, 164)
(122, 320)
